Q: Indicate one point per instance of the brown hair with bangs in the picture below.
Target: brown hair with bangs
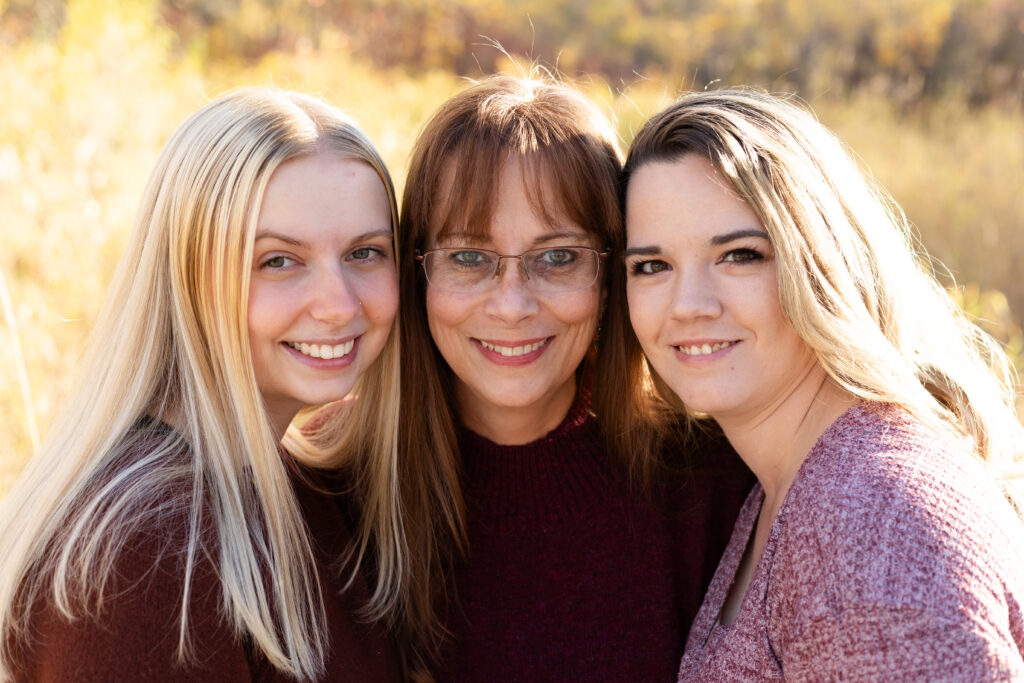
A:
(571, 162)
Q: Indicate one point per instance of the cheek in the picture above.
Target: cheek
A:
(641, 305)
(446, 311)
(379, 297)
(578, 308)
(262, 311)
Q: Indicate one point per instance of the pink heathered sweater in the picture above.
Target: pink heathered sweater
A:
(894, 557)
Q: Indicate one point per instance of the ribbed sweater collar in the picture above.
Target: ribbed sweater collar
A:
(544, 483)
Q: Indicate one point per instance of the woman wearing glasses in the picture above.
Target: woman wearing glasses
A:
(559, 568)
(774, 288)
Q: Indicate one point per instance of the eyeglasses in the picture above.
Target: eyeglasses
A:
(546, 270)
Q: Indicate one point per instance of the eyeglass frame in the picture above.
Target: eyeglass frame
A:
(422, 255)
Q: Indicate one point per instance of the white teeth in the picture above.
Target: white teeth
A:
(704, 349)
(324, 351)
(512, 351)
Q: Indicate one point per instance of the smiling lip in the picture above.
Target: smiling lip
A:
(520, 352)
(703, 350)
(326, 355)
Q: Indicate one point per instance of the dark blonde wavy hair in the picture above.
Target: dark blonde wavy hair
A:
(852, 281)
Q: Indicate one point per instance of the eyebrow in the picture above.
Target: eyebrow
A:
(641, 251)
(384, 232)
(546, 237)
(717, 240)
(270, 234)
(562, 234)
(737, 234)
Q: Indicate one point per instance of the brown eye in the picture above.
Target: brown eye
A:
(649, 267)
(742, 256)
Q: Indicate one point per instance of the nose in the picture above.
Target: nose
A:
(511, 299)
(332, 298)
(696, 294)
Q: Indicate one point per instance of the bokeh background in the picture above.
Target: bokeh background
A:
(929, 93)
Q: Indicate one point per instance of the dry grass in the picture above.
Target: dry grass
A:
(84, 123)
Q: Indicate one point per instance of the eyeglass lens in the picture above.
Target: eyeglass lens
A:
(549, 269)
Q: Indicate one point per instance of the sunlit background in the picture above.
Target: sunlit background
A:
(927, 92)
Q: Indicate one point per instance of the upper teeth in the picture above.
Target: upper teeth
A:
(703, 349)
(324, 351)
(514, 350)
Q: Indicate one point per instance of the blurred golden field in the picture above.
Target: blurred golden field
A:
(88, 104)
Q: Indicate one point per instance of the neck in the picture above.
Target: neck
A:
(514, 425)
(280, 414)
(774, 442)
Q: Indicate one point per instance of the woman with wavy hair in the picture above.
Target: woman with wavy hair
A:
(174, 526)
(775, 289)
(565, 569)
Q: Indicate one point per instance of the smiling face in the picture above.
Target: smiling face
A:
(703, 293)
(324, 291)
(512, 349)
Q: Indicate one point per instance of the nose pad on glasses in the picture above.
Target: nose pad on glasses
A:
(523, 273)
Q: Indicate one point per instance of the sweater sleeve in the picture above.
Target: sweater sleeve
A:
(135, 635)
(879, 642)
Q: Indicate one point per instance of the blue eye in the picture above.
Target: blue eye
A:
(468, 258)
(365, 254)
(276, 262)
(559, 257)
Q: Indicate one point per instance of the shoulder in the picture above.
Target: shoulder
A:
(125, 621)
(886, 518)
(132, 634)
(878, 476)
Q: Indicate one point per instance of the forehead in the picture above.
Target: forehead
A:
(324, 196)
(683, 198)
(521, 197)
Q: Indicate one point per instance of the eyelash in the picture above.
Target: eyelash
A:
(373, 253)
(748, 255)
(266, 262)
(739, 256)
(637, 267)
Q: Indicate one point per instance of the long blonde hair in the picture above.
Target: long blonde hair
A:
(852, 282)
(172, 343)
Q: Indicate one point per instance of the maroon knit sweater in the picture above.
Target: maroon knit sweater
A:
(571, 577)
(136, 636)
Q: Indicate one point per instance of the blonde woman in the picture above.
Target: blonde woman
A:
(775, 289)
(174, 526)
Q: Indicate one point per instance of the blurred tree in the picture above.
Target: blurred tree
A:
(911, 50)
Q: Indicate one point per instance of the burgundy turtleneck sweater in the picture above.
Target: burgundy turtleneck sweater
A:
(573, 576)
